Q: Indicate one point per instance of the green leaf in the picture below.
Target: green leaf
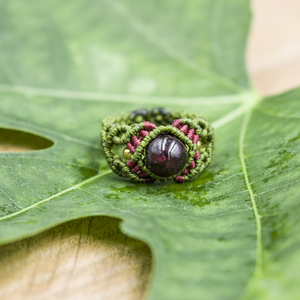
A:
(230, 233)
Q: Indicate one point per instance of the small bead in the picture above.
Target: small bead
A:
(126, 153)
(199, 144)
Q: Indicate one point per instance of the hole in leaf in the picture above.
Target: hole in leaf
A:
(20, 141)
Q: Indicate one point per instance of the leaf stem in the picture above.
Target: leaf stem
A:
(259, 249)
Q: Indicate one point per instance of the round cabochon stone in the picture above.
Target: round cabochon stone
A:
(166, 155)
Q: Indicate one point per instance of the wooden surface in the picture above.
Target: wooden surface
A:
(90, 258)
(274, 46)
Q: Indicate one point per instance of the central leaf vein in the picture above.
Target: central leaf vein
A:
(259, 250)
(32, 91)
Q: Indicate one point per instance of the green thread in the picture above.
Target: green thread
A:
(119, 129)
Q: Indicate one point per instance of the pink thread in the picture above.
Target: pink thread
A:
(135, 169)
(190, 133)
(148, 180)
(192, 165)
(185, 172)
(136, 141)
(143, 174)
(179, 179)
(130, 164)
(196, 139)
(130, 147)
(143, 133)
(176, 123)
(184, 129)
(149, 126)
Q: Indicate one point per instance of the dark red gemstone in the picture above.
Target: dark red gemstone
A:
(166, 155)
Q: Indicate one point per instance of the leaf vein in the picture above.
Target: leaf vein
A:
(259, 250)
(277, 187)
(269, 112)
(49, 160)
(272, 150)
(10, 199)
(77, 186)
(24, 183)
(102, 97)
(101, 199)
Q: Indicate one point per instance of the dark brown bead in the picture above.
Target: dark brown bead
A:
(166, 155)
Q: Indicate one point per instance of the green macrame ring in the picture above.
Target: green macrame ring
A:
(119, 130)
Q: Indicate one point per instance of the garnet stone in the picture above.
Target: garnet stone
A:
(166, 155)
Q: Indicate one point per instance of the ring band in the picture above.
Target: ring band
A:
(159, 145)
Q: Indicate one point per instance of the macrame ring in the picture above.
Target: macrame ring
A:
(136, 130)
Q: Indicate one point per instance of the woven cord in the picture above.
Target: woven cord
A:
(137, 129)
